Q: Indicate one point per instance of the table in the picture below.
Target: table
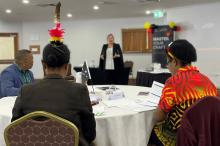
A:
(117, 127)
(146, 79)
(6, 105)
(101, 77)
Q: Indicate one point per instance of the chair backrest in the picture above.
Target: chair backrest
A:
(129, 64)
(41, 128)
(200, 124)
(218, 92)
(69, 73)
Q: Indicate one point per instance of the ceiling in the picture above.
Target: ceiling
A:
(83, 9)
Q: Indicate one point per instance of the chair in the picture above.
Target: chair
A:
(69, 75)
(200, 124)
(42, 129)
(218, 92)
(129, 64)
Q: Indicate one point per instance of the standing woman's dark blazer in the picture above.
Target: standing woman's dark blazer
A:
(118, 62)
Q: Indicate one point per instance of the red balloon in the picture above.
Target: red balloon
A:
(178, 28)
(149, 30)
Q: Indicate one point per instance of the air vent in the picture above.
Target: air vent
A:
(46, 5)
(107, 3)
(145, 1)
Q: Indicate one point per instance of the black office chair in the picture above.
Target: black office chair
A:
(129, 64)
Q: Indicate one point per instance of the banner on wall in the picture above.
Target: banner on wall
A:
(162, 36)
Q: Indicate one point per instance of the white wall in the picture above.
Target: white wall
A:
(11, 27)
(201, 27)
(85, 39)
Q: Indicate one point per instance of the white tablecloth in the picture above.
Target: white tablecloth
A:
(6, 105)
(161, 70)
(116, 127)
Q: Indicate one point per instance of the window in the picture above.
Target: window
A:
(136, 41)
(8, 47)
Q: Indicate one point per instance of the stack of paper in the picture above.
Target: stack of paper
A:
(116, 94)
(94, 97)
(153, 98)
(128, 104)
(155, 94)
(118, 103)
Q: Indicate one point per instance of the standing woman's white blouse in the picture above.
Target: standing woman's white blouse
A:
(109, 59)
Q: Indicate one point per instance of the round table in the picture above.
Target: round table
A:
(123, 126)
(116, 127)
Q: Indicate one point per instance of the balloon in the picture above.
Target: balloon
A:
(149, 30)
(147, 25)
(172, 24)
(178, 28)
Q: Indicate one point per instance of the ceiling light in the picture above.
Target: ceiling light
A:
(69, 15)
(8, 11)
(148, 12)
(96, 7)
(26, 1)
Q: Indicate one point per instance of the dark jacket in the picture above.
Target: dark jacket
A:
(60, 97)
(118, 62)
(11, 81)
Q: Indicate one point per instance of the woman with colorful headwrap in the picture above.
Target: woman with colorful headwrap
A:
(181, 90)
(56, 95)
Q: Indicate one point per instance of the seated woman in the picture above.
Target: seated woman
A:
(181, 90)
(56, 95)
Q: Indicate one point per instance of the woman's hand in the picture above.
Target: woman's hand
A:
(102, 57)
(116, 56)
(159, 115)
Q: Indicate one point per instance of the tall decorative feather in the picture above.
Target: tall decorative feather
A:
(57, 12)
(56, 34)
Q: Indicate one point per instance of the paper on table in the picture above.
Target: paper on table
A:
(153, 98)
(115, 95)
(98, 110)
(146, 102)
(118, 103)
(137, 107)
(107, 88)
(155, 92)
(143, 93)
(144, 108)
(127, 104)
(94, 97)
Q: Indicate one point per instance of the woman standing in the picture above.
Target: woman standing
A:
(111, 57)
(111, 62)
